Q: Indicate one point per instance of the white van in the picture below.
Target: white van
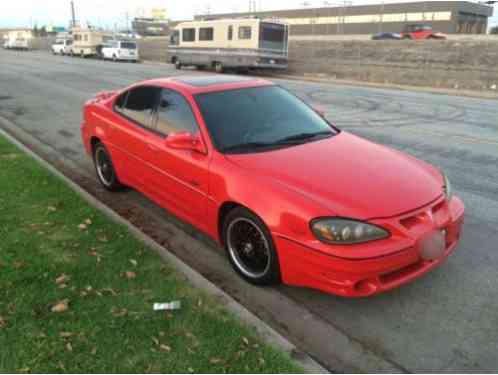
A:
(120, 50)
(62, 47)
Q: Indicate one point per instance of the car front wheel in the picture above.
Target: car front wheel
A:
(104, 168)
(250, 247)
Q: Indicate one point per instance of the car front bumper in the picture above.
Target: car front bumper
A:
(303, 266)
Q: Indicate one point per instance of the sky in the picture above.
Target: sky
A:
(108, 13)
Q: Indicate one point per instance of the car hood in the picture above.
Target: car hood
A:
(349, 176)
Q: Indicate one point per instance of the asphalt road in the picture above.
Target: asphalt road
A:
(446, 321)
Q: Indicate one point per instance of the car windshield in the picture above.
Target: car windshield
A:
(260, 119)
(128, 45)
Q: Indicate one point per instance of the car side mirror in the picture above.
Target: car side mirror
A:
(186, 141)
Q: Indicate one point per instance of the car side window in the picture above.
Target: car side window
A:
(139, 104)
(174, 114)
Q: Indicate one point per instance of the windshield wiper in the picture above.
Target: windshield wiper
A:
(291, 140)
(303, 137)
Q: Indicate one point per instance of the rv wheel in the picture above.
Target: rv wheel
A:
(82, 54)
(218, 67)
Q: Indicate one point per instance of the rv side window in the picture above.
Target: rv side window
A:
(188, 35)
(230, 32)
(77, 37)
(245, 32)
(206, 33)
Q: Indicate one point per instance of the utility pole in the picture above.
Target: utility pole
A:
(73, 15)
(381, 17)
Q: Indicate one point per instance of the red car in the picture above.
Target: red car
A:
(290, 197)
(421, 31)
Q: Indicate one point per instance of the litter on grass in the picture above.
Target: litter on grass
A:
(174, 305)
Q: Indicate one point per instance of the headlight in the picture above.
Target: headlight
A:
(345, 231)
(447, 188)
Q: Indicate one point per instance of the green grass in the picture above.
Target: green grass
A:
(109, 325)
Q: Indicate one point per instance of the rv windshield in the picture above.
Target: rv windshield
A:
(272, 36)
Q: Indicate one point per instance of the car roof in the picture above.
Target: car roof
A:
(203, 83)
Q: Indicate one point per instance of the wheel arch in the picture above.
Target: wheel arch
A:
(94, 140)
(223, 211)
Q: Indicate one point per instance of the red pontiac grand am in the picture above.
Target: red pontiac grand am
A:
(289, 196)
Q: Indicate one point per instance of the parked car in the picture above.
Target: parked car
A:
(290, 197)
(421, 31)
(121, 50)
(62, 47)
(386, 36)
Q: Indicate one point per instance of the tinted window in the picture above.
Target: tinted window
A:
(206, 33)
(69, 42)
(188, 35)
(245, 32)
(258, 115)
(128, 45)
(230, 32)
(120, 101)
(139, 104)
(174, 114)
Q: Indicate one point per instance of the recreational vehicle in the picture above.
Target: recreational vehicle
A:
(88, 42)
(245, 43)
(19, 39)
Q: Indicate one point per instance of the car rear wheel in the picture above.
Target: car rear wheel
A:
(178, 64)
(250, 247)
(105, 169)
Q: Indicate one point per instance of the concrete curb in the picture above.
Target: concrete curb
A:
(267, 333)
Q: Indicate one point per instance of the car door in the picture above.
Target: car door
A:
(131, 131)
(181, 175)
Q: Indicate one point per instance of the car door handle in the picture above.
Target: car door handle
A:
(152, 147)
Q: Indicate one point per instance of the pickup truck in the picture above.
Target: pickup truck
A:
(420, 32)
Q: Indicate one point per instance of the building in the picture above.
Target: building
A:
(150, 26)
(450, 17)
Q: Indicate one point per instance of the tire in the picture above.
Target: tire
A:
(254, 257)
(178, 64)
(114, 58)
(218, 67)
(105, 174)
(82, 54)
